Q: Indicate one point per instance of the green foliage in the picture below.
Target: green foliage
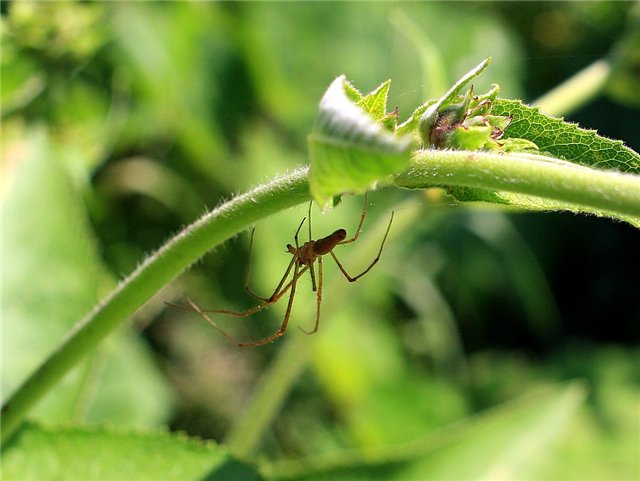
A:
(566, 140)
(516, 441)
(35, 320)
(121, 121)
(350, 147)
(101, 453)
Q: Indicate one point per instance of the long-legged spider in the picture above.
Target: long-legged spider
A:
(303, 259)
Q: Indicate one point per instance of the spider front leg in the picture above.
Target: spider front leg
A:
(247, 279)
(362, 217)
(291, 286)
(275, 297)
(202, 314)
(375, 261)
(247, 287)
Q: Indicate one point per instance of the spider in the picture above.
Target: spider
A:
(303, 259)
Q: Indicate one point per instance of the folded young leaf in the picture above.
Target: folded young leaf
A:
(351, 147)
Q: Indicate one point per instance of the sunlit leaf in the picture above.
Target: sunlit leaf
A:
(566, 140)
(52, 275)
(350, 150)
(513, 442)
(107, 454)
(375, 103)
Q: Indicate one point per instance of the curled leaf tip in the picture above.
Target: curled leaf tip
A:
(353, 144)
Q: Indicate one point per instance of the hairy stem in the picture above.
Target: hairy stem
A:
(156, 271)
(606, 192)
(536, 175)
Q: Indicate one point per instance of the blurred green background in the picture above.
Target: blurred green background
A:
(122, 122)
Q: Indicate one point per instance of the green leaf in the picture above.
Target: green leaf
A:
(515, 441)
(52, 274)
(565, 140)
(107, 454)
(375, 103)
(350, 149)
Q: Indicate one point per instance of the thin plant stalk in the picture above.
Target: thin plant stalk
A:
(156, 271)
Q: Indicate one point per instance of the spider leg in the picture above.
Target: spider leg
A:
(357, 234)
(247, 287)
(310, 204)
(272, 300)
(283, 328)
(278, 291)
(318, 299)
(295, 237)
(312, 271)
(277, 294)
(375, 261)
(291, 286)
(202, 314)
(247, 277)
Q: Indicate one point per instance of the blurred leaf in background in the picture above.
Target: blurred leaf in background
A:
(51, 277)
(124, 121)
(52, 271)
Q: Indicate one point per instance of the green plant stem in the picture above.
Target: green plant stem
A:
(598, 190)
(575, 91)
(434, 75)
(269, 396)
(157, 270)
(522, 173)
